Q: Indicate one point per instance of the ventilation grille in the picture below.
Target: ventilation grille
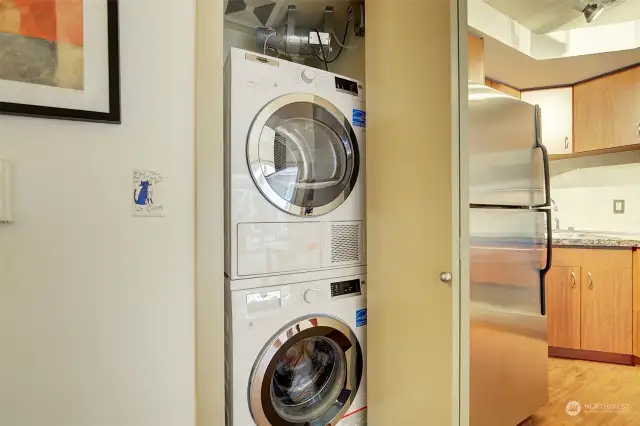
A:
(280, 153)
(345, 243)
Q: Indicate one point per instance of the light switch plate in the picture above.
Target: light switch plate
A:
(618, 206)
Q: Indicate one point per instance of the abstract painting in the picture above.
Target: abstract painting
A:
(41, 42)
(44, 44)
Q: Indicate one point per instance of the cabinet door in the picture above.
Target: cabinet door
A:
(476, 59)
(562, 286)
(607, 111)
(557, 117)
(607, 301)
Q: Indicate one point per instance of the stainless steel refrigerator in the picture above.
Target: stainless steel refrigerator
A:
(510, 247)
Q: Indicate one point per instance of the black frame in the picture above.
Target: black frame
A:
(114, 114)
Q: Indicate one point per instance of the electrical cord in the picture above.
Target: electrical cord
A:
(324, 58)
(335, 36)
(266, 40)
(344, 40)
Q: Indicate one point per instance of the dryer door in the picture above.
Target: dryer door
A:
(308, 375)
(303, 154)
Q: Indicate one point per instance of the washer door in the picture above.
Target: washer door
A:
(308, 375)
(303, 154)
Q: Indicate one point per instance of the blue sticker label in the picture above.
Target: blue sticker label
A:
(361, 317)
(359, 118)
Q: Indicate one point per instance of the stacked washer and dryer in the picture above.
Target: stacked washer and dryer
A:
(295, 311)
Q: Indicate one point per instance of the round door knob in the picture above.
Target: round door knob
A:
(308, 75)
(446, 277)
(310, 296)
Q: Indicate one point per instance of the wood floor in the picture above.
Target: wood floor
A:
(591, 383)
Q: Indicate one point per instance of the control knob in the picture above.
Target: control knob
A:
(310, 296)
(308, 75)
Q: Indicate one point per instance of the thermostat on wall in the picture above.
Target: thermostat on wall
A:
(5, 192)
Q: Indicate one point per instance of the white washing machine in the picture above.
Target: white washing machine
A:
(296, 353)
(294, 169)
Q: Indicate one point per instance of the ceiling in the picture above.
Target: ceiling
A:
(544, 16)
(508, 65)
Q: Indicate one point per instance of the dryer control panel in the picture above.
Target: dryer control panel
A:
(346, 288)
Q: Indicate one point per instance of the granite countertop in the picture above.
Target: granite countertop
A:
(594, 241)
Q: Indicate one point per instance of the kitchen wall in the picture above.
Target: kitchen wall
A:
(96, 306)
(584, 190)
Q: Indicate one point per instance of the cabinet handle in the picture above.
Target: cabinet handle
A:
(566, 140)
(590, 281)
(573, 280)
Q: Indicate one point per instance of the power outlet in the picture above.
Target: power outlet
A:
(618, 206)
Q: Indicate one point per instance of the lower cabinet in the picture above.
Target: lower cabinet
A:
(589, 294)
(563, 307)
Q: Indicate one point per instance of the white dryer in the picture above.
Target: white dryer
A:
(296, 353)
(294, 150)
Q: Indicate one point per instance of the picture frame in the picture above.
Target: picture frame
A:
(98, 99)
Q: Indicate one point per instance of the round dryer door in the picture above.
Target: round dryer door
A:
(308, 375)
(303, 154)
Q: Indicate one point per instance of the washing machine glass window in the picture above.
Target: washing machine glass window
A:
(303, 154)
(308, 374)
(308, 379)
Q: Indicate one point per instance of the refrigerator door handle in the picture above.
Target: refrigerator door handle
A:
(547, 267)
(545, 158)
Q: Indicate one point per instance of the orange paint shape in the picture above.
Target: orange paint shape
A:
(38, 18)
(69, 18)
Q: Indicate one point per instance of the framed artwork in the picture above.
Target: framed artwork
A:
(60, 59)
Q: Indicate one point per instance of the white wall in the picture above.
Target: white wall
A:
(97, 307)
(584, 190)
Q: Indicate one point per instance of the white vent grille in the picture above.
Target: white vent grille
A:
(345, 243)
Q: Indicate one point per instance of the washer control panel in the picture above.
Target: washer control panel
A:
(347, 86)
(346, 288)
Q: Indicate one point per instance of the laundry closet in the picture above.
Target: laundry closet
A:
(316, 199)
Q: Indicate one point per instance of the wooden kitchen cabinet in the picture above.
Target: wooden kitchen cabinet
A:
(589, 303)
(607, 308)
(476, 59)
(563, 290)
(503, 88)
(557, 117)
(607, 112)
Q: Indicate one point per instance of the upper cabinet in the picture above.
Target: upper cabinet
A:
(607, 111)
(504, 88)
(476, 59)
(557, 117)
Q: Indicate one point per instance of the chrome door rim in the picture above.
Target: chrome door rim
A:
(268, 355)
(255, 166)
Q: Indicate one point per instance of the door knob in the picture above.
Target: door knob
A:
(446, 277)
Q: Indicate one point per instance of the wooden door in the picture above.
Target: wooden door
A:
(607, 111)
(562, 286)
(557, 117)
(607, 301)
(410, 240)
(476, 59)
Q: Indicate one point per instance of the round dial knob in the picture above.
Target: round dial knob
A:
(310, 296)
(308, 75)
